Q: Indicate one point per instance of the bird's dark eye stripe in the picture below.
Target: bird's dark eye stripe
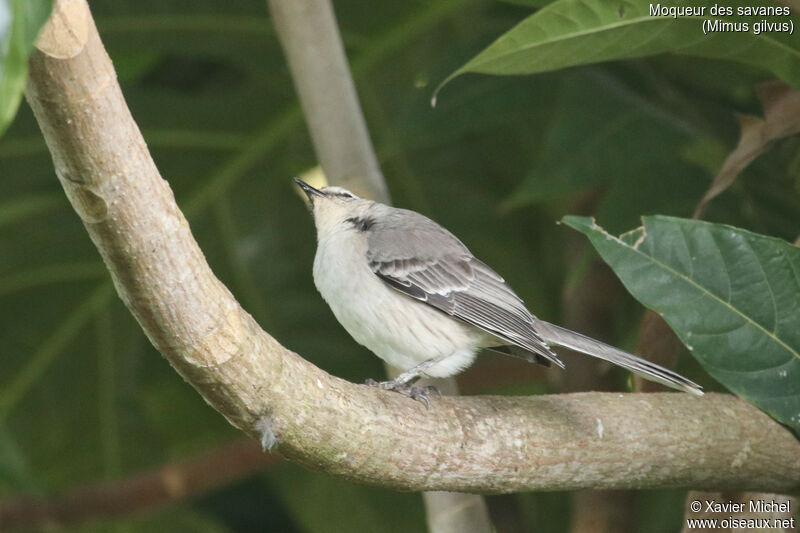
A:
(361, 223)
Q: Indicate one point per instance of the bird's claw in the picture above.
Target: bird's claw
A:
(415, 393)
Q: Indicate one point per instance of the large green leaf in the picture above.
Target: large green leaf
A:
(608, 136)
(732, 296)
(577, 32)
(20, 21)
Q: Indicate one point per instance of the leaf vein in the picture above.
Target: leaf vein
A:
(610, 27)
(702, 289)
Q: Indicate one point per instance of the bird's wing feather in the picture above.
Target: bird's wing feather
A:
(416, 256)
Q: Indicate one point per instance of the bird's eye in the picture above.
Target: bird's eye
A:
(345, 195)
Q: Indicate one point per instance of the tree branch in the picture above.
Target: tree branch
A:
(315, 53)
(169, 483)
(480, 444)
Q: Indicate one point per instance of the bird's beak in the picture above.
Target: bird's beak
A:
(310, 191)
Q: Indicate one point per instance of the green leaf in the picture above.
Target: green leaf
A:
(529, 3)
(732, 296)
(15, 473)
(577, 32)
(610, 136)
(20, 21)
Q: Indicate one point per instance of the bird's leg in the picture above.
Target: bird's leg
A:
(404, 382)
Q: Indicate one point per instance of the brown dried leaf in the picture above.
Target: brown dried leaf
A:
(781, 119)
(794, 5)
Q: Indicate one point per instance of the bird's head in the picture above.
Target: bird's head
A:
(337, 209)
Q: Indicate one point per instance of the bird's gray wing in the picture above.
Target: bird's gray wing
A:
(416, 256)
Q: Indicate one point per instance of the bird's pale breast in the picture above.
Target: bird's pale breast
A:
(400, 330)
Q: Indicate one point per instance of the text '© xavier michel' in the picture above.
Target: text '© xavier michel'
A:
(721, 18)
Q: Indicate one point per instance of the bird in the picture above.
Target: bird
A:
(411, 292)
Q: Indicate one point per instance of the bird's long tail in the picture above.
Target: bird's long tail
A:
(581, 343)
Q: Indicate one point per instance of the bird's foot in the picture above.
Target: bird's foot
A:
(406, 389)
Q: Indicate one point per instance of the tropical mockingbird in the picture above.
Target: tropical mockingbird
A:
(411, 292)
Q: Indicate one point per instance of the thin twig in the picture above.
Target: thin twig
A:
(113, 499)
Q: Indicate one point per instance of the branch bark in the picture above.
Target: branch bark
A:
(588, 307)
(477, 444)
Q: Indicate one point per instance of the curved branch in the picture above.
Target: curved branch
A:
(481, 444)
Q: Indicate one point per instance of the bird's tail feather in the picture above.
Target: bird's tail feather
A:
(581, 343)
(526, 355)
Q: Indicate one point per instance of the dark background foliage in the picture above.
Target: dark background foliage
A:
(83, 395)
